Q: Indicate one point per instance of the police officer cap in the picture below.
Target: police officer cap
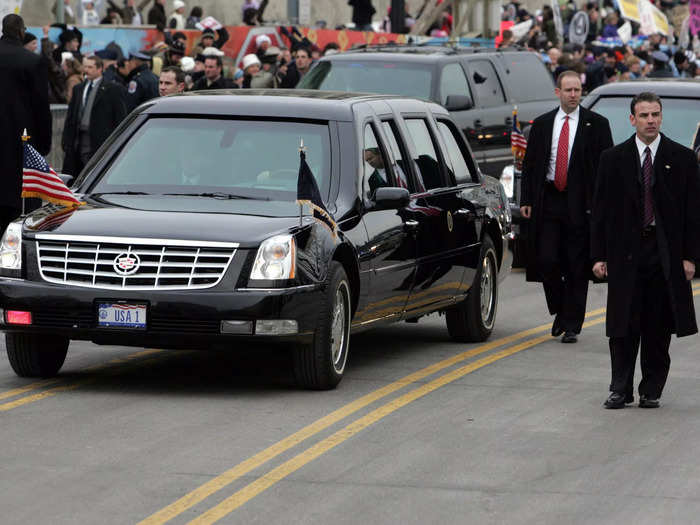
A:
(139, 54)
(107, 54)
(208, 32)
(177, 47)
(660, 56)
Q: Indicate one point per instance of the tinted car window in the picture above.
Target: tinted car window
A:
(680, 117)
(453, 82)
(393, 138)
(485, 81)
(376, 174)
(390, 78)
(455, 153)
(539, 85)
(426, 161)
(258, 159)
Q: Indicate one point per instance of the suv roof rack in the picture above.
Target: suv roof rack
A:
(445, 48)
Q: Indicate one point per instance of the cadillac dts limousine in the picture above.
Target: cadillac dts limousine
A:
(191, 236)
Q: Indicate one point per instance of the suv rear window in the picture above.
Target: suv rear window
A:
(528, 77)
(387, 78)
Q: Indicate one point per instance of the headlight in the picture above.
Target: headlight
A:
(507, 180)
(11, 247)
(276, 259)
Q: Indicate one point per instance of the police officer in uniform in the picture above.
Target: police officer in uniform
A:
(142, 83)
(110, 73)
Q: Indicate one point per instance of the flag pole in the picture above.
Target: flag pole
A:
(302, 149)
(25, 138)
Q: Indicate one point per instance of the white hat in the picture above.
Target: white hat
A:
(66, 55)
(187, 64)
(262, 38)
(177, 4)
(250, 60)
(211, 51)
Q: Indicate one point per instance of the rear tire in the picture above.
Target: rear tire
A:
(473, 319)
(33, 355)
(320, 365)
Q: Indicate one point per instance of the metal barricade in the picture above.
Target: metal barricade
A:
(58, 117)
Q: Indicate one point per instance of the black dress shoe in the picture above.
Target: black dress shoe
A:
(557, 328)
(648, 402)
(615, 400)
(629, 399)
(569, 337)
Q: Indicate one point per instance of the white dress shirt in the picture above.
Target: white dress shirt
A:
(653, 147)
(556, 131)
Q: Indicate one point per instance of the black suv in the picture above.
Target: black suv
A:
(479, 87)
(191, 235)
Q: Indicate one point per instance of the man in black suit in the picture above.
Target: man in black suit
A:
(559, 171)
(96, 108)
(379, 177)
(646, 239)
(24, 103)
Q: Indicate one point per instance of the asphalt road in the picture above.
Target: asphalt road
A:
(421, 430)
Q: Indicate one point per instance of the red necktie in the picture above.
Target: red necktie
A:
(562, 157)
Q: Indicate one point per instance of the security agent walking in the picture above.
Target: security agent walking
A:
(96, 108)
(646, 239)
(24, 103)
(559, 172)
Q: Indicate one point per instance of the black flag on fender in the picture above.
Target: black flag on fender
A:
(308, 193)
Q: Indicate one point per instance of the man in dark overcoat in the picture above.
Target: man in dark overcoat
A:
(559, 172)
(24, 103)
(96, 108)
(646, 239)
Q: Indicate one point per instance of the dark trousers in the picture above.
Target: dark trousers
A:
(562, 257)
(651, 323)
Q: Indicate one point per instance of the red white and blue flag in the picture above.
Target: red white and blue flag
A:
(518, 142)
(41, 181)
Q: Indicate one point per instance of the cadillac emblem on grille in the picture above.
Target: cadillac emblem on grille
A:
(126, 263)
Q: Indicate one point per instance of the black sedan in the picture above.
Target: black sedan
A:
(191, 234)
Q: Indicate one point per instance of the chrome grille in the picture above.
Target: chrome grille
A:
(132, 263)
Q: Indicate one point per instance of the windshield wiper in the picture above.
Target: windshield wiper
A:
(217, 195)
(120, 193)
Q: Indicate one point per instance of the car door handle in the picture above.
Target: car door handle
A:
(478, 124)
(410, 224)
(463, 211)
(509, 121)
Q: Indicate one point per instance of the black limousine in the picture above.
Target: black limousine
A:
(191, 235)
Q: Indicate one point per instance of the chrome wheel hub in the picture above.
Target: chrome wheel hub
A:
(339, 327)
(487, 290)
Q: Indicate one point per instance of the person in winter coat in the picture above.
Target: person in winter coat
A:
(362, 11)
(177, 18)
(156, 15)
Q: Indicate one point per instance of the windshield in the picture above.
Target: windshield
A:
(680, 117)
(218, 159)
(387, 78)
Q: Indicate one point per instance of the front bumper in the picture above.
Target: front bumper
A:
(175, 319)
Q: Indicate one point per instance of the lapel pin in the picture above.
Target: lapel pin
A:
(668, 167)
(588, 123)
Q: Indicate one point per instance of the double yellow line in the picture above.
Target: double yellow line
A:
(267, 480)
(273, 476)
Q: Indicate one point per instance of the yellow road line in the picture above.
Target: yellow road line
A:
(288, 467)
(207, 489)
(68, 385)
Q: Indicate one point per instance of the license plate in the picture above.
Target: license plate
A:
(120, 315)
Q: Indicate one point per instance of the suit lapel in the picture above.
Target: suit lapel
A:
(549, 128)
(632, 183)
(662, 162)
(581, 129)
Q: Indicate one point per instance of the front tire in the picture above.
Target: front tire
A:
(473, 319)
(320, 365)
(33, 355)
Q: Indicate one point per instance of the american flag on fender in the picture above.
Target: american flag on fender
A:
(41, 181)
(518, 142)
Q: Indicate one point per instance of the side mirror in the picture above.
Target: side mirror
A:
(458, 103)
(67, 179)
(390, 198)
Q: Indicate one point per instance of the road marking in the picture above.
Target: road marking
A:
(288, 467)
(66, 385)
(222, 480)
